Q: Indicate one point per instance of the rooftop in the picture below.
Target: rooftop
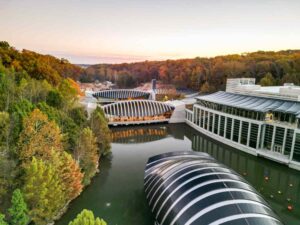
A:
(253, 103)
(247, 86)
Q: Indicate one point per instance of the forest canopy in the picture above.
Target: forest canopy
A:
(209, 74)
(49, 148)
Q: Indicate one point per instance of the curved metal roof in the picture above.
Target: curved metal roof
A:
(190, 188)
(254, 103)
(121, 94)
(135, 108)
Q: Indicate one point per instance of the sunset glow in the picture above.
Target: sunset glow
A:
(124, 31)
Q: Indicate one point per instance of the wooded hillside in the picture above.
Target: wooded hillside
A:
(208, 74)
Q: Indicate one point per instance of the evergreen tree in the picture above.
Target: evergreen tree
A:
(2, 221)
(43, 191)
(18, 209)
(87, 155)
(86, 217)
(99, 126)
(267, 80)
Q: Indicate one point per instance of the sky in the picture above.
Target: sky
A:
(110, 31)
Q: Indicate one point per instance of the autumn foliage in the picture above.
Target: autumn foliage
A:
(41, 125)
(39, 137)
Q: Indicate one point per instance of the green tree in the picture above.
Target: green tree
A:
(42, 191)
(4, 45)
(99, 126)
(267, 80)
(2, 221)
(18, 210)
(87, 155)
(290, 78)
(86, 217)
(18, 111)
(4, 132)
(69, 94)
(55, 99)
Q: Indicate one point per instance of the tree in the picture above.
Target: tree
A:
(18, 210)
(18, 111)
(4, 132)
(43, 191)
(71, 176)
(205, 88)
(290, 78)
(86, 217)
(39, 137)
(87, 155)
(99, 126)
(69, 94)
(79, 115)
(4, 45)
(54, 99)
(267, 80)
(2, 221)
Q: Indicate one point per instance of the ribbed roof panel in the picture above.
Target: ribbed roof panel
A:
(190, 188)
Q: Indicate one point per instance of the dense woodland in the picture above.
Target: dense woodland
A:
(204, 74)
(49, 148)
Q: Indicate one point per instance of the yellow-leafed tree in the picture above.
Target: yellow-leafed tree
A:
(43, 191)
(39, 137)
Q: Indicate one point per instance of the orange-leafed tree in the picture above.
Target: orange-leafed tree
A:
(39, 137)
(71, 176)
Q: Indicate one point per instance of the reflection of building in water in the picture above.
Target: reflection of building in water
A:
(138, 135)
(141, 134)
(279, 184)
(259, 120)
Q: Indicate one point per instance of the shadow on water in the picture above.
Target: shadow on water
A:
(116, 193)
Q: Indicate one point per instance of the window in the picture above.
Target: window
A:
(288, 141)
(296, 155)
(244, 133)
(236, 130)
(253, 135)
(228, 128)
(268, 136)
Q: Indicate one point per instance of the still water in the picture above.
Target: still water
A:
(116, 193)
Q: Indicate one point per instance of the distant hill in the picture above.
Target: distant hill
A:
(84, 66)
(37, 65)
(206, 74)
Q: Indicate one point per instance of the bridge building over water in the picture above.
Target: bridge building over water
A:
(138, 112)
(189, 188)
(120, 94)
(262, 121)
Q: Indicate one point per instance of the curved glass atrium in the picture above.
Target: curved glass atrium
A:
(190, 188)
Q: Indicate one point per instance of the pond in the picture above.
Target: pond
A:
(116, 193)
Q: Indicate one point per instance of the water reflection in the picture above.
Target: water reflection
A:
(116, 193)
(143, 134)
(277, 183)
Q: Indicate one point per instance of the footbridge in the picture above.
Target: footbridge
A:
(139, 112)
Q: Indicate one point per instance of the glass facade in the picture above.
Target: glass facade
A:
(253, 133)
